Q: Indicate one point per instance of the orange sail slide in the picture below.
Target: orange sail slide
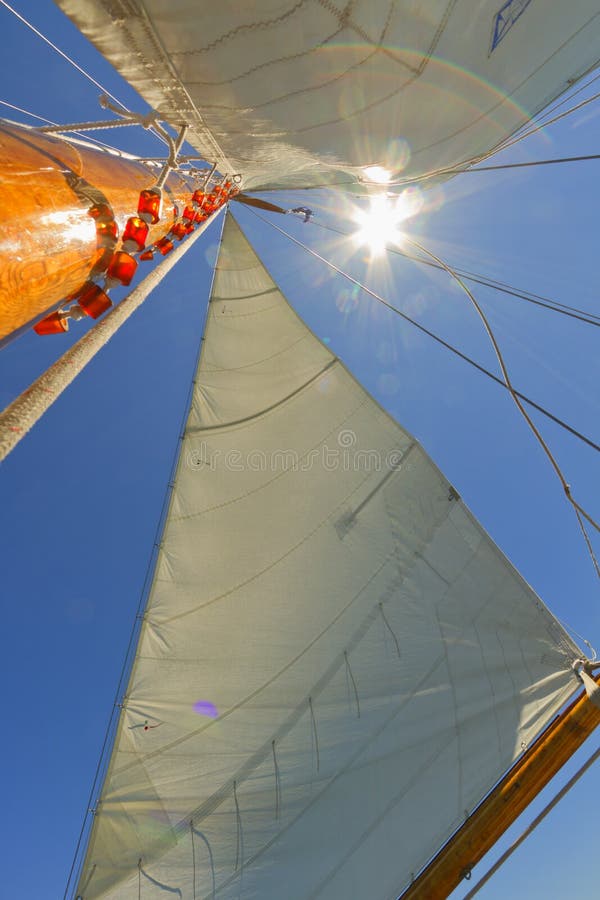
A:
(63, 206)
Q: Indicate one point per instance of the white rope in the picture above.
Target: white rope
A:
(22, 414)
(60, 52)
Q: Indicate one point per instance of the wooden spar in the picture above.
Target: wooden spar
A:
(530, 774)
(48, 241)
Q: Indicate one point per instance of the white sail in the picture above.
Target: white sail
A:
(308, 91)
(335, 664)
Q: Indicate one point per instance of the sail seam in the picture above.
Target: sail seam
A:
(201, 429)
(281, 671)
(258, 362)
(281, 474)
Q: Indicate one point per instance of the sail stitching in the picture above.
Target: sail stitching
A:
(251, 26)
(377, 101)
(502, 145)
(212, 371)
(217, 799)
(280, 672)
(267, 568)
(277, 784)
(247, 315)
(457, 733)
(279, 475)
(378, 48)
(201, 429)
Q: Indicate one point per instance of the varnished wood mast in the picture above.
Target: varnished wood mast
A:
(530, 774)
(48, 241)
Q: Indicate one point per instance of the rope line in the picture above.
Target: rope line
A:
(391, 630)
(193, 860)
(534, 162)
(61, 53)
(353, 682)
(502, 287)
(277, 783)
(435, 337)
(210, 859)
(553, 461)
(314, 732)
(239, 853)
(530, 828)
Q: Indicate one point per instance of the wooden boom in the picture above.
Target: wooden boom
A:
(506, 802)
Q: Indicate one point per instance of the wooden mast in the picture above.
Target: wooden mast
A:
(49, 242)
(530, 774)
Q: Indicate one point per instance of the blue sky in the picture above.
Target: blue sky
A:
(81, 496)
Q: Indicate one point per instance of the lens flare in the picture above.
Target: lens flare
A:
(378, 226)
(206, 708)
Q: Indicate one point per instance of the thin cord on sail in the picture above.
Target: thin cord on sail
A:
(434, 336)
(239, 853)
(61, 53)
(314, 732)
(539, 818)
(193, 861)
(390, 629)
(553, 461)
(277, 783)
(353, 682)
(113, 718)
(210, 859)
(502, 287)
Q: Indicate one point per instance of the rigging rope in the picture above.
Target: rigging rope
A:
(436, 337)
(539, 818)
(502, 287)
(580, 511)
(58, 127)
(61, 53)
(521, 165)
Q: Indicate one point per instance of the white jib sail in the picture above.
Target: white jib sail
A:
(301, 92)
(336, 663)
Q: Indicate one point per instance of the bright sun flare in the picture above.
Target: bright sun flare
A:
(379, 224)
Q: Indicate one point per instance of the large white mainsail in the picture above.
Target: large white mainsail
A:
(335, 663)
(301, 92)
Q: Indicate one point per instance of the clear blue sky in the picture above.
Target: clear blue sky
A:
(81, 496)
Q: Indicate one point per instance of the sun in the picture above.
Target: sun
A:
(378, 226)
